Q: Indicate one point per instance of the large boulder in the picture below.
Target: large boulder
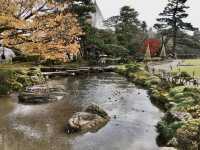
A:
(92, 119)
(40, 94)
(188, 135)
(33, 98)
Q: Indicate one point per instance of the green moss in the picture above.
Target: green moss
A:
(160, 98)
(16, 86)
(24, 79)
(141, 77)
(121, 69)
(134, 67)
(188, 136)
(152, 81)
(16, 79)
(175, 90)
(168, 130)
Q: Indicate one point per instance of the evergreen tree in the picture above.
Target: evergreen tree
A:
(144, 26)
(82, 8)
(173, 18)
(129, 31)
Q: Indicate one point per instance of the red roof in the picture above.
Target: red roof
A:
(154, 45)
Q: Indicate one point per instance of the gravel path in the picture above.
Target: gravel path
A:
(164, 65)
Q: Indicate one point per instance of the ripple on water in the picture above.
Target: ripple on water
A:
(132, 125)
(29, 132)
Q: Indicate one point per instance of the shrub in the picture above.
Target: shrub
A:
(24, 79)
(188, 136)
(168, 130)
(132, 68)
(50, 62)
(178, 89)
(27, 58)
(115, 50)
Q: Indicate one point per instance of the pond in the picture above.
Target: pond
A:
(41, 127)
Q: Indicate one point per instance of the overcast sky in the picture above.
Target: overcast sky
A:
(148, 9)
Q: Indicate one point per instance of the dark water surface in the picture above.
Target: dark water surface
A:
(41, 127)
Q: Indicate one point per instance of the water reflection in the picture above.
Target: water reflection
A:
(41, 127)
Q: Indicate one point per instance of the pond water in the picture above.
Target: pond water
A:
(41, 127)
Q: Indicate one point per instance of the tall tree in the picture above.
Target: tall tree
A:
(128, 29)
(144, 26)
(173, 17)
(82, 8)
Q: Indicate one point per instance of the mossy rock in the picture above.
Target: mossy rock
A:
(34, 72)
(132, 68)
(17, 79)
(194, 111)
(25, 80)
(121, 71)
(159, 98)
(141, 77)
(152, 81)
(131, 75)
(188, 136)
(178, 95)
(33, 68)
(160, 95)
(167, 131)
(37, 79)
(184, 102)
(21, 72)
(175, 90)
(16, 86)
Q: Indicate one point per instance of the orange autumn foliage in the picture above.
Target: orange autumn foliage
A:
(50, 34)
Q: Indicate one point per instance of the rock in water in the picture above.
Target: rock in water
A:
(39, 94)
(94, 109)
(92, 119)
(33, 98)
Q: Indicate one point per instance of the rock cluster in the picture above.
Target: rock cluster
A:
(90, 120)
(40, 94)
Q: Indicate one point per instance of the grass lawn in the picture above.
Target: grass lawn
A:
(189, 69)
(191, 62)
(195, 69)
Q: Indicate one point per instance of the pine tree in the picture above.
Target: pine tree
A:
(82, 8)
(173, 18)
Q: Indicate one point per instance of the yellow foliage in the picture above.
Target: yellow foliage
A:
(11, 22)
(52, 35)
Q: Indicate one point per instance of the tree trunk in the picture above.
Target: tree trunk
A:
(174, 42)
(175, 30)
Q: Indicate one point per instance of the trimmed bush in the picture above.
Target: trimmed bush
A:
(168, 130)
